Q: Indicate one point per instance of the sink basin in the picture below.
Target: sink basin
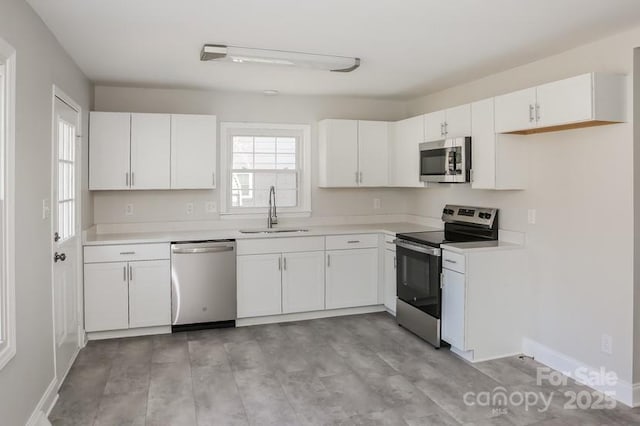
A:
(271, 230)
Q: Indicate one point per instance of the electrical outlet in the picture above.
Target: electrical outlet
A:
(210, 206)
(128, 210)
(607, 344)
(189, 208)
(531, 216)
(376, 203)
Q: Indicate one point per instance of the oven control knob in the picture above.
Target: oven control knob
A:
(487, 216)
(481, 216)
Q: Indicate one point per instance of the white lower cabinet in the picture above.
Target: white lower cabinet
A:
(352, 278)
(106, 296)
(453, 308)
(302, 282)
(130, 293)
(390, 290)
(149, 294)
(259, 280)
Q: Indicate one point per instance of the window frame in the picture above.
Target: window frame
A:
(7, 185)
(302, 131)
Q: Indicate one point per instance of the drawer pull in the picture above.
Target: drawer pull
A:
(353, 241)
(124, 253)
(450, 261)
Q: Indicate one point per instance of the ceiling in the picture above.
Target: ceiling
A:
(408, 47)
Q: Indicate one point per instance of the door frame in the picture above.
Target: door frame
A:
(58, 93)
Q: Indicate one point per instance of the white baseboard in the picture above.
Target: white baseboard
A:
(302, 316)
(43, 408)
(625, 392)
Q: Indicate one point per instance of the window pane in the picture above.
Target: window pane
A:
(265, 180)
(265, 144)
(242, 181)
(286, 145)
(287, 198)
(265, 161)
(286, 161)
(242, 161)
(240, 198)
(286, 181)
(242, 144)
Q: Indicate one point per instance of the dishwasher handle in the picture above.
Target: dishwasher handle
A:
(201, 248)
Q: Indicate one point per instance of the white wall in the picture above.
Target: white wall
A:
(40, 62)
(158, 206)
(581, 184)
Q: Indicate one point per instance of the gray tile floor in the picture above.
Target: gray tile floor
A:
(356, 370)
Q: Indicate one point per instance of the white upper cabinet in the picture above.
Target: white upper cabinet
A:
(581, 101)
(193, 151)
(373, 143)
(353, 153)
(404, 152)
(150, 151)
(450, 123)
(110, 139)
(498, 161)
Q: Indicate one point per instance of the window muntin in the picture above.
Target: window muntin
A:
(66, 180)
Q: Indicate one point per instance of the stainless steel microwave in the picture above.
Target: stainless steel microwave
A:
(446, 161)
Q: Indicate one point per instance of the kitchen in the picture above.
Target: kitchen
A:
(546, 197)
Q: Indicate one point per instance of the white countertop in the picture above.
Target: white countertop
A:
(221, 234)
(477, 246)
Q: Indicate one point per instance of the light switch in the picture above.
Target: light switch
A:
(531, 216)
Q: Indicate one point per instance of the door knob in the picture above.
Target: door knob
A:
(59, 257)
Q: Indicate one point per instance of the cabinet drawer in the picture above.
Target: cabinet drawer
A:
(453, 261)
(341, 242)
(126, 253)
(389, 242)
(280, 245)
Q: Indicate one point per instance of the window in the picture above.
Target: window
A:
(66, 180)
(7, 284)
(259, 156)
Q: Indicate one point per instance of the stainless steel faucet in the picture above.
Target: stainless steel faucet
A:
(272, 218)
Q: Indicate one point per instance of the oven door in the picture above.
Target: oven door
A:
(418, 276)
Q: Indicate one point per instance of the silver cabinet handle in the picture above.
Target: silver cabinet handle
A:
(531, 118)
(537, 112)
(126, 179)
(124, 253)
(441, 129)
(446, 128)
(360, 177)
(450, 261)
(279, 264)
(124, 273)
(328, 260)
(285, 263)
(353, 241)
(130, 273)
(395, 262)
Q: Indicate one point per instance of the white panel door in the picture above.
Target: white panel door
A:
(404, 152)
(259, 285)
(483, 145)
(338, 153)
(390, 290)
(150, 151)
(373, 152)
(515, 111)
(302, 282)
(149, 293)
(458, 121)
(453, 308)
(106, 296)
(434, 126)
(109, 150)
(565, 101)
(352, 278)
(193, 151)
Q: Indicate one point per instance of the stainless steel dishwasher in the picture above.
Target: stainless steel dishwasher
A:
(203, 284)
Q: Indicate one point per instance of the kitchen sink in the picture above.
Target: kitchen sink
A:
(271, 230)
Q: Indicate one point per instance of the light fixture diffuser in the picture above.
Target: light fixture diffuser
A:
(222, 53)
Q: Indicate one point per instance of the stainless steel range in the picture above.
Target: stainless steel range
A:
(419, 272)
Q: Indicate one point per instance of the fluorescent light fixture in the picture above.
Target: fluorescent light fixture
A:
(222, 53)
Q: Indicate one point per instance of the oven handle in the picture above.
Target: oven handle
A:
(431, 251)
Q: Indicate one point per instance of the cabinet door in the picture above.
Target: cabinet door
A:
(390, 290)
(453, 308)
(483, 145)
(150, 151)
(149, 293)
(193, 151)
(404, 152)
(373, 149)
(302, 282)
(259, 285)
(515, 111)
(458, 121)
(352, 278)
(109, 149)
(565, 101)
(434, 126)
(106, 296)
(338, 147)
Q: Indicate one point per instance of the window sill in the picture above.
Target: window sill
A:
(241, 215)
